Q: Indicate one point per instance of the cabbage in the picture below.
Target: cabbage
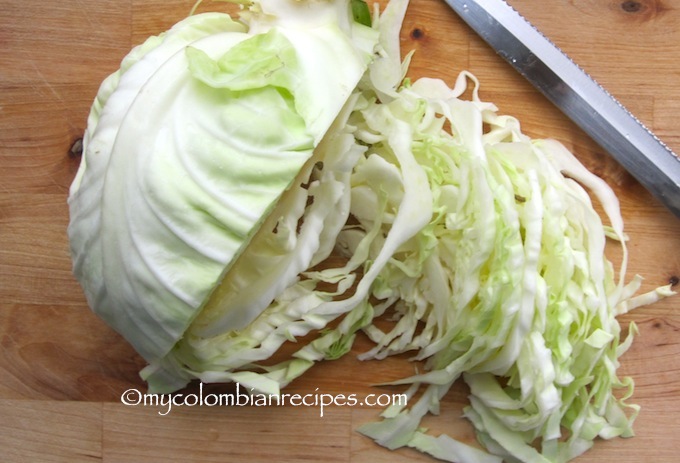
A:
(506, 288)
(227, 159)
(189, 146)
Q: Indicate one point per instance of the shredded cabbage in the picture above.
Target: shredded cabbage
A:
(507, 287)
(228, 159)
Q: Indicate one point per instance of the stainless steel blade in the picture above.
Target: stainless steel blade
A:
(582, 99)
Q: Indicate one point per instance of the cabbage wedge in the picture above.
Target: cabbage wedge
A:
(189, 146)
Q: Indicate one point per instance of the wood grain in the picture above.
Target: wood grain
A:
(62, 371)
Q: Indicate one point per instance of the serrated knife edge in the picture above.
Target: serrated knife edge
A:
(578, 95)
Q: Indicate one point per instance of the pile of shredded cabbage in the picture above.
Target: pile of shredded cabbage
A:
(481, 245)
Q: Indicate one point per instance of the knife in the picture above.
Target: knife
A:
(583, 100)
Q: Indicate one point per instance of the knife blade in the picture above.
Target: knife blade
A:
(578, 95)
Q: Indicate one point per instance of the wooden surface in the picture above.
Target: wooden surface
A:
(62, 371)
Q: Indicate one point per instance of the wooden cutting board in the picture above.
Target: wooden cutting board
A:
(63, 372)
